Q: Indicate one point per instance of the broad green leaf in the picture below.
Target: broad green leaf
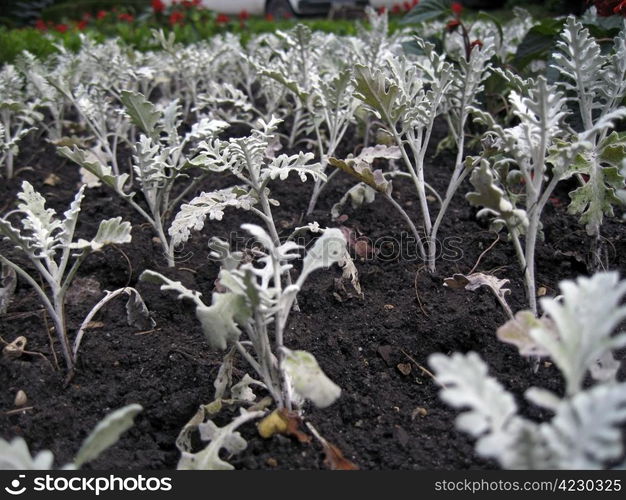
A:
(427, 10)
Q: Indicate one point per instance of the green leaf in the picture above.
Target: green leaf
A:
(110, 232)
(14, 455)
(427, 10)
(142, 112)
(106, 433)
(538, 43)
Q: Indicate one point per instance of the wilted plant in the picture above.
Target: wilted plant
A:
(576, 333)
(48, 243)
(14, 455)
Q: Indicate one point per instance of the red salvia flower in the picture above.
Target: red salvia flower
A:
(82, 24)
(176, 18)
(270, 18)
(222, 19)
(126, 17)
(101, 14)
(406, 6)
(396, 9)
(457, 8)
(452, 25)
(158, 6)
(382, 10)
(607, 8)
(40, 24)
(61, 28)
(244, 15)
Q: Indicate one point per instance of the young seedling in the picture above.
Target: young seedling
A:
(159, 161)
(407, 98)
(597, 82)
(255, 303)
(523, 155)
(48, 243)
(14, 455)
(586, 429)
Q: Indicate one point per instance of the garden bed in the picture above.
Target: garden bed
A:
(385, 418)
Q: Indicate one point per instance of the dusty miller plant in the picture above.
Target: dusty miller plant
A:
(14, 454)
(407, 98)
(586, 429)
(256, 303)
(18, 117)
(251, 160)
(596, 85)
(159, 160)
(48, 242)
(541, 144)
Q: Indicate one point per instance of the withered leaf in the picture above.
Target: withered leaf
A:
(335, 460)
(404, 368)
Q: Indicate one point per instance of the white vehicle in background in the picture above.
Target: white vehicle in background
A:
(287, 8)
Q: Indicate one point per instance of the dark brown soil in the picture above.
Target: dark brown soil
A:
(383, 420)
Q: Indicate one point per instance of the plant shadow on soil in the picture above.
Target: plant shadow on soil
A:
(385, 418)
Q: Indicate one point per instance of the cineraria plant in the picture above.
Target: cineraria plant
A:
(576, 333)
(159, 160)
(18, 116)
(257, 304)
(48, 243)
(596, 82)
(14, 455)
(515, 163)
(252, 161)
(407, 98)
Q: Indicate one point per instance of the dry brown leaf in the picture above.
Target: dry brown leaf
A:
(52, 180)
(419, 412)
(404, 368)
(335, 460)
(14, 349)
(282, 421)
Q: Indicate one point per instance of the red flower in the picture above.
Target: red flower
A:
(197, 3)
(222, 19)
(269, 17)
(176, 18)
(415, 2)
(82, 24)
(476, 43)
(244, 15)
(126, 17)
(61, 28)
(396, 9)
(382, 10)
(187, 4)
(158, 6)
(452, 25)
(457, 8)
(40, 24)
(101, 14)
(406, 6)
(607, 8)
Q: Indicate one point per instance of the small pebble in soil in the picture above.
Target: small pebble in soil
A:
(272, 462)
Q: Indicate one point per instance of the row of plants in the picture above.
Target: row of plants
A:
(154, 126)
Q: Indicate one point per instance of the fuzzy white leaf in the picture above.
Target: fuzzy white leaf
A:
(308, 380)
(14, 455)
